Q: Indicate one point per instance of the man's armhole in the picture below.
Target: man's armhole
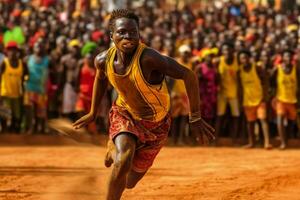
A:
(3, 66)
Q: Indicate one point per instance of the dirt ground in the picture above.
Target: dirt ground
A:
(77, 173)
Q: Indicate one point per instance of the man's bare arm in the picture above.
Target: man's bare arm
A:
(152, 60)
(100, 82)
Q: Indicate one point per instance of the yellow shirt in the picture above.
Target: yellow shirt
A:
(287, 85)
(252, 88)
(179, 87)
(11, 80)
(228, 75)
(141, 99)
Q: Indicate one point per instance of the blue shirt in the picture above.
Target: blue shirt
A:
(38, 74)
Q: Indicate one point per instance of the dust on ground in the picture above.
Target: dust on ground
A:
(71, 173)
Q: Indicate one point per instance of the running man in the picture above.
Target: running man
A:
(139, 119)
(254, 105)
(286, 76)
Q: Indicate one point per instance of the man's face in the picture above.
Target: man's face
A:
(264, 56)
(38, 49)
(287, 57)
(126, 35)
(90, 59)
(185, 55)
(244, 59)
(74, 50)
(12, 53)
(227, 51)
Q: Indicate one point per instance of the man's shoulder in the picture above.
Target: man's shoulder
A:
(101, 59)
(150, 54)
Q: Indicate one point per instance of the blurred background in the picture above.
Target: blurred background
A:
(47, 48)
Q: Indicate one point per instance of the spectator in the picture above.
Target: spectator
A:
(287, 76)
(254, 105)
(86, 79)
(12, 72)
(207, 74)
(69, 63)
(35, 97)
(228, 89)
(180, 103)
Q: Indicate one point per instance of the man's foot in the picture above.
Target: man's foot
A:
(282, 146)
(108, 161)
(268, 146)
(248, 146)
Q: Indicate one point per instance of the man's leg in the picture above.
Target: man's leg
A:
(235, 112)
(28, 119)
(221, 109)
(265, 129)
(281, 131)
(16, 110)
(262, 116)
(250, 126)
(125, 145)
(110, 153)
(219, 124)
(292, 120)
(133, 178)
(182, 129)
(175, 129)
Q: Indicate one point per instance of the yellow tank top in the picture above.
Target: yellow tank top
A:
(228, 75)
(252, 88)
(141, 99)
(11, 80)
(179, 87)
(287, 85)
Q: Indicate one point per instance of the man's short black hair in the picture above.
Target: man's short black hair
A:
(228, 43)
(290, 51)
(244, 51)
(121, 13)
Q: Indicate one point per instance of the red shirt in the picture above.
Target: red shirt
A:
(87, 76)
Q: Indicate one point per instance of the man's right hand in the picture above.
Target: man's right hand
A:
(83, 121)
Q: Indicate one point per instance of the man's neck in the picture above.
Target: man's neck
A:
(247, 66)
(124, 58)
(229, 60)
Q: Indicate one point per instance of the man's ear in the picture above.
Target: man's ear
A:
(110, 35)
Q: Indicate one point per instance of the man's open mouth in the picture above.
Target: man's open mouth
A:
(128, 45)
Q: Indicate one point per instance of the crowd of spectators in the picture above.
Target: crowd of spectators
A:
(55, 44)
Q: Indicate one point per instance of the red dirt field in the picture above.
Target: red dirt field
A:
(77, 173)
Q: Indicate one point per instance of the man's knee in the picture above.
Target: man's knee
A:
(125, 148)
(123, 161)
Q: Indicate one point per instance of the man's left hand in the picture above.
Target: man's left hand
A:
(202, 131)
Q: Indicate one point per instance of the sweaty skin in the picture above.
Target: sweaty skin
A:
(154, 68)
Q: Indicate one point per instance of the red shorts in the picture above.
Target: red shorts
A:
(288, 110)
(255, 112)
(31, 98)
(151, 135)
